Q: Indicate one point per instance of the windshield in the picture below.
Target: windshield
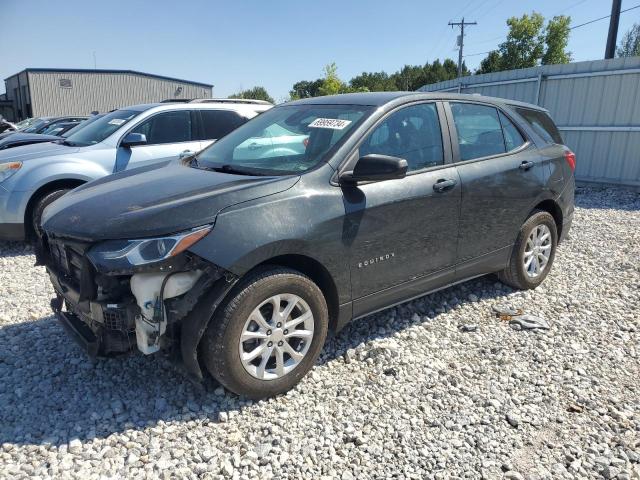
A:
(284, 140)
(101, 128)
(25, 123)
(82, 124)
(33, 127)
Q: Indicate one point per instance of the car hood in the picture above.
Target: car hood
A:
(34, 150)
(151, 201)
(28, 137)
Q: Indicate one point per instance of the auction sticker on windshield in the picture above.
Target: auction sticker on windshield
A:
(332, 123)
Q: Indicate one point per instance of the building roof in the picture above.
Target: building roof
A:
(91, 70)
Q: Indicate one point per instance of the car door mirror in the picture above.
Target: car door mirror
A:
(374, 168)
(133, 139)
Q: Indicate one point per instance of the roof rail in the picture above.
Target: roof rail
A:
(176, 100)
(230, 100)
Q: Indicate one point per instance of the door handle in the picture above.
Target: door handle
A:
(526, 165)
(444, 184)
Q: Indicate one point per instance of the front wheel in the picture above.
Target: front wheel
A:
(268, 334)
(40, 205)
(533, 252)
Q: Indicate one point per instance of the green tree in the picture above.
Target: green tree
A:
(630, 43)
(556, 39)
(255, 93)
(306, 89)
(491, 63)
(331, 83)
(374, 82)
(524, 45)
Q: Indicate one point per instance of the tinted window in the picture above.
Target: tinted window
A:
(479, 130)
(168, 127)
(542, 124)
(285, 140)
(412, 133)
(217, 123)
(512, 136)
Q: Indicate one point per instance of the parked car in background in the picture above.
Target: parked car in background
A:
(40, 125)
(33, 176)
(19, 139)
(242, 264)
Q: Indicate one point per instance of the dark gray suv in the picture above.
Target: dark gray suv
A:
(240, 258)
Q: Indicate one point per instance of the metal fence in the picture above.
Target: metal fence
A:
(596, 106)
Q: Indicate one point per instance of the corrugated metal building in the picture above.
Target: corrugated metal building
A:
(596, 106)
(36, 92)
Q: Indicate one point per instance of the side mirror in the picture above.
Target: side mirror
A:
(374, 168)
(133, 139)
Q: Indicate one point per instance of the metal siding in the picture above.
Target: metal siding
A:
(102, 92)
(604, 100)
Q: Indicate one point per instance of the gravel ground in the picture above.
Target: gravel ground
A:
(412, 392)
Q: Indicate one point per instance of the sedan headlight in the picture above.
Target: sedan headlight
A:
(123, 255)
(8, 169)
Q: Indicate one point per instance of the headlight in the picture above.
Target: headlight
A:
(8, 169)
(122, 255)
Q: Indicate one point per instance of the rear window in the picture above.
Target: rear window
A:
(542, 124)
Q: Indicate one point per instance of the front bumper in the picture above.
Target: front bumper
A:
(12, 214)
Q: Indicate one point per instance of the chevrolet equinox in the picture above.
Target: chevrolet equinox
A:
(239, 259)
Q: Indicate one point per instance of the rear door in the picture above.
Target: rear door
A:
(501, 176)
(215, 124)
(404, 232)
(168, 134)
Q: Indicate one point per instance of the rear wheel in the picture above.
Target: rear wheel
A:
(533, 252)
(268, 334)
(40, 205)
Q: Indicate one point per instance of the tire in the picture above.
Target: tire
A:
(221, 347)
(40, 205)
(516, 275)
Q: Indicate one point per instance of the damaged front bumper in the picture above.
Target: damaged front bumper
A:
(164, 307)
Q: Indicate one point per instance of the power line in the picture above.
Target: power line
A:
(602, 18)
(461, 24)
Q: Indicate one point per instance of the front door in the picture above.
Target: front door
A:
(168, 135)
(501, 175)
(402, 232)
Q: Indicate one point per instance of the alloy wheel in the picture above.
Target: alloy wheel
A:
(537, 250)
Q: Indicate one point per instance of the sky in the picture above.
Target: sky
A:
(239, 44)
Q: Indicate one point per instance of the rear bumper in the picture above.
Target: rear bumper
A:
(566, 226)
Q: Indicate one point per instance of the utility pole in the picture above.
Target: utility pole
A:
(614, 21)
(461, 24)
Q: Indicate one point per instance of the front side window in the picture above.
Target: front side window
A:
(479, 130)
(285, 140)
(98, 130)
(412, 133)
(167, 127)
(217, 123)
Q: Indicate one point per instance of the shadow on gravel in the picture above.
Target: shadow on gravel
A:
(607, 198)
(14, 249)
(50, 392)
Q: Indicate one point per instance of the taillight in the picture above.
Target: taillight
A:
(570, 157)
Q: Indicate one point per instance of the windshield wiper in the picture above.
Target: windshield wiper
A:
(234, 170)
(68, 143)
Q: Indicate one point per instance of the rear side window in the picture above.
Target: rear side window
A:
(168, 127)
(512, 136)
(217, 123)
(479, 130)
(542, 124)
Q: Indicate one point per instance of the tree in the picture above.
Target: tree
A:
(556, 39)
(491, 63)
(374, 82)
(331, 83)
(306, 89)
(524, 45)
(255, 93)
(630, 43)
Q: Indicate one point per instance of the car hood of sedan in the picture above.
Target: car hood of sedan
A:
(19, 137)
(34, 150)
(153, 201)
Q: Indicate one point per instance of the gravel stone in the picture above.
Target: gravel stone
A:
(403, 393)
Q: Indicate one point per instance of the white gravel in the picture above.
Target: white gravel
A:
(406, 393)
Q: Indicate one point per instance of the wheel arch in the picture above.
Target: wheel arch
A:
(45, 189)
(551, 206)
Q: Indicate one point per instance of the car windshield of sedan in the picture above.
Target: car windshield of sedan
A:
(282, 141)
(99, 129)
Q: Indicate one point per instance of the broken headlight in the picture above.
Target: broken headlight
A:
(123, 255)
